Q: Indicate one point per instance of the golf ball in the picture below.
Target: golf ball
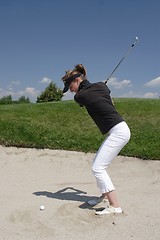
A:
(136, 38)
(42, 207)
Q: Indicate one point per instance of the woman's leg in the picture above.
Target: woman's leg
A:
(117, 139)
(112, 198)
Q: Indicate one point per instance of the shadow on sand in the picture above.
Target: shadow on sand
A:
(69, 194)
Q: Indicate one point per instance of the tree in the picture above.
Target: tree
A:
(23, 99)
(6, 100)
(50, 94)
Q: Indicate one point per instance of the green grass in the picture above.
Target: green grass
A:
(64, 125)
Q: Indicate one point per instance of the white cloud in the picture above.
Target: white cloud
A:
(153, 83)
(150, 95)
(28, 91)
(119, 84)
(68, 96)
(31, 91)
(132, 94)
(15, 82)
(45, 80)
(5, 92)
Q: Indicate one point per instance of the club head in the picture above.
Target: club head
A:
(136, 40)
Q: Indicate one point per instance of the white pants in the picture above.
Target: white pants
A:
(118, 137)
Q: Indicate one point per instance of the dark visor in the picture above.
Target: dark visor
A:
(68, 81)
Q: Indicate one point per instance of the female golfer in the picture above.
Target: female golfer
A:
(96, 98)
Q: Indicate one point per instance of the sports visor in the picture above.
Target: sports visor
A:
(68, 81)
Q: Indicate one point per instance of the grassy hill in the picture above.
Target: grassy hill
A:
(65, 125)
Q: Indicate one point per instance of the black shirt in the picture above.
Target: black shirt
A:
(96, 98)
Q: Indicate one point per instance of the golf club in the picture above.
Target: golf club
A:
(127, 52)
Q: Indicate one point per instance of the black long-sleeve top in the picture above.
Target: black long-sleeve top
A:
(96, 98)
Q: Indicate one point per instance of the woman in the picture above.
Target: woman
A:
(96, 98)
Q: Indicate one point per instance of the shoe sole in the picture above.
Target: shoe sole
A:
(107, 212)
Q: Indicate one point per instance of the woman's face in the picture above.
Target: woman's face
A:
(74, 85)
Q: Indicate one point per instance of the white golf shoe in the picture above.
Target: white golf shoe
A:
(109, 210)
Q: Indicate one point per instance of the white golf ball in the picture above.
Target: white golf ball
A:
(136, 38)
(42, 207)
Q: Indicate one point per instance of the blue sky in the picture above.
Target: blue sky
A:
(40, 39)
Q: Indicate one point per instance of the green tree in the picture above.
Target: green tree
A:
(23, 99)
(50, 94)
(6, 100)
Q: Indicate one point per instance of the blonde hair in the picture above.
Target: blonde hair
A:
(78, 69)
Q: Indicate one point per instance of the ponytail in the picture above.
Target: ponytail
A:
(78, 69)
(81, 69)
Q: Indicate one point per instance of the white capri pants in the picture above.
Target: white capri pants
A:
(118, 137)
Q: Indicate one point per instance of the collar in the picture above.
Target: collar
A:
(84, 84)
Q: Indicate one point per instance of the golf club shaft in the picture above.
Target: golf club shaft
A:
(129, 49)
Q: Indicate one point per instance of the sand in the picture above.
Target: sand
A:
(62, 181)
